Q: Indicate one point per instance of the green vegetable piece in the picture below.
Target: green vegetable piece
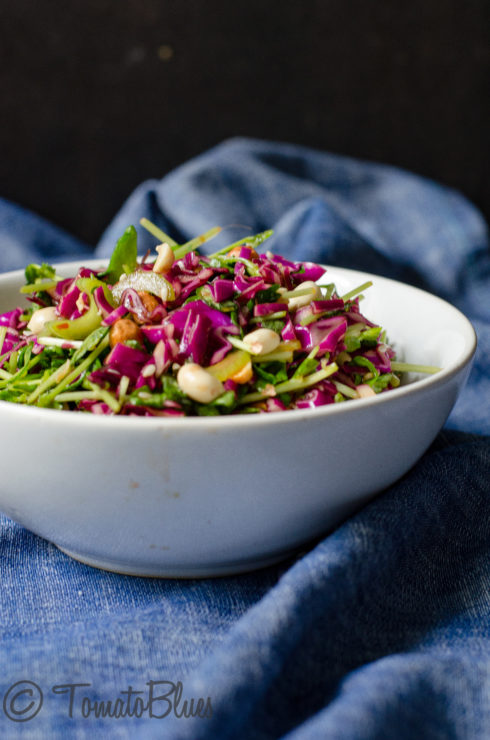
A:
(355, 291)
(193, 244)
(364, 362)
(124, 257)
(90, 342)
(80, 328)
(41, 286)
(370, 336)
(39, 279)
(232, 364)
(227, 401)
(157, 232)
(3, 334)
(249, 241)
(273, 373)
(406, 367)
(207, 410)
(380, 382)
(38, 273)
(352, 343)
(273, 324)
(308, 365)
(268, 295)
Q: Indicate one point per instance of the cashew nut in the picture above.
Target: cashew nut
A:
(165, 258)
(198, 384)
(40, 317)
(262, 341)
(304, 300)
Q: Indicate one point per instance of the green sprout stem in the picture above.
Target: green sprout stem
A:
(246, 241)
(346, 390)
(297, 384)
(49, 380)
(45, 400)
(240, 344)
(285, 355)
(406, 367)
(290, 386)
(193, 244)
(158, 233)
(3, 334)
(268, 317)
(355, 291)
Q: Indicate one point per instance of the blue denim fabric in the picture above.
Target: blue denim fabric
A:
(380, 630)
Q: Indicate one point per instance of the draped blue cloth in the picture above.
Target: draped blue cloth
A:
(381, 629)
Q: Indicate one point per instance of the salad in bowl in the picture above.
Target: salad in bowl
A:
(177, 333)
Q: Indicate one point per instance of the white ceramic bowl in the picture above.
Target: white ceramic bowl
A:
(208, 496)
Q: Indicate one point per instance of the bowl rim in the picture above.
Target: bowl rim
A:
(428, 383)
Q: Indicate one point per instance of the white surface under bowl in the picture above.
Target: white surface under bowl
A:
(194, 497)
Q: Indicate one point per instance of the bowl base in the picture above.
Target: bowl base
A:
(156, 570)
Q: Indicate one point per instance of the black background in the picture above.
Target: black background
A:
(97, 96)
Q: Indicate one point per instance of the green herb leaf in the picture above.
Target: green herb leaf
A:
(124, 257)
(37, 273)
(273, 324)
(226, 401)
(381, 382)
(364, 362)
(207, 410)
(268, 295)
(273, 373)
(369, 338)
(90, 342)
(306, 367)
